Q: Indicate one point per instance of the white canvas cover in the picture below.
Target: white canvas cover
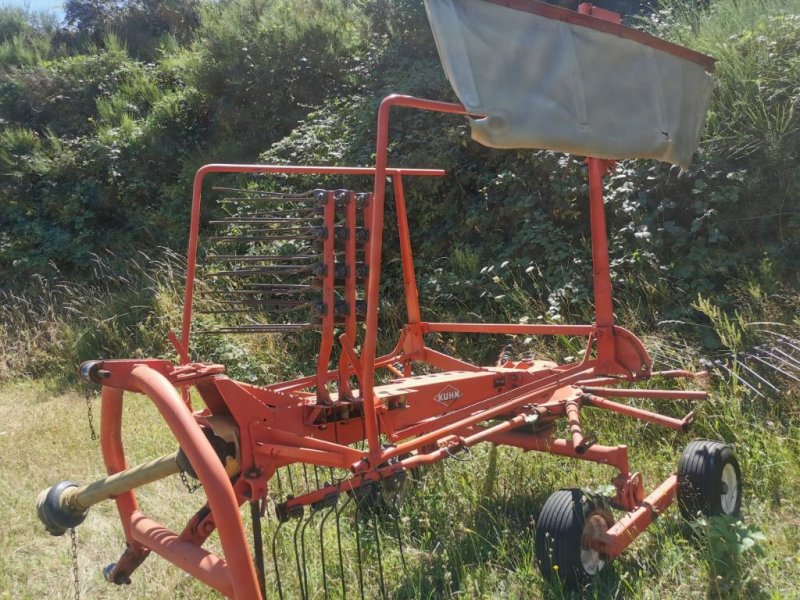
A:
(550, 84)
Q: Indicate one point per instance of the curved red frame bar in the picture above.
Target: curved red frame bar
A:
(235, 575)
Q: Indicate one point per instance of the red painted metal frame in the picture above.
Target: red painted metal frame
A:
(328, 300)
(233, 577)
(278, 424)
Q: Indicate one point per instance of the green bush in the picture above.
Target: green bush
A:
(100, 149)
(264, 64)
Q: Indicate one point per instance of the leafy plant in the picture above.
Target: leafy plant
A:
(728, 542)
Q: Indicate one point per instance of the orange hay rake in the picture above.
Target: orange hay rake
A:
(318, 255)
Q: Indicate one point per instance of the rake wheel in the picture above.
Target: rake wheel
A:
(709, 480)
(569, 521)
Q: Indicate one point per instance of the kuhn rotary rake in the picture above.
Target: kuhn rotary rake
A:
(349, 435)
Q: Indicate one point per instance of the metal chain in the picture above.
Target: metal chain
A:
(75, 573)
(89, 415)
(191, 487)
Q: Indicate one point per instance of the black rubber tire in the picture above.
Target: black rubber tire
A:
(700, 480)
(559, 530)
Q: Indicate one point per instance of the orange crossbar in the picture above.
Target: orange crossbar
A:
(626, 530)
(510, 329)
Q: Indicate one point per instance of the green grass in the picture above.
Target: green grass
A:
(465, 533)
(754, 110)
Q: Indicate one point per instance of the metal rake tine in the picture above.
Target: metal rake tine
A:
(330, 501)
(266, 302)
(266, 328)
(358, 548)
(736, 377)
(280, 482)
(300, 569)
(275, 558)
(750, 386)
(667, 361)
(266, 238)
(658, 351)
(792, 343)
(258, 257)
(781, 336)
(317, 230)
(786, 340)
(789, 358)
(398, 534)
(339, 544)
(303, 549)
(773, 367)
(301, 203)
(261, 286)
(712, 367)
(265, 270)
(675, 361)
(756, 375)
(768, 352)
(308, 194)
(281, 293)
(227, 188)
(316, 476)
(258, 547)
(322, 547)
(305, 212)
(254, 309)
(379, 552)
(258, 219)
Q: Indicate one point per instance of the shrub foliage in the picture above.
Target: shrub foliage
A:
(106, 117)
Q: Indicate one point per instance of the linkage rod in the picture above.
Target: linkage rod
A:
(265, 328)
(266, 270)
(263, 288)
(259, 220)
(265, 257)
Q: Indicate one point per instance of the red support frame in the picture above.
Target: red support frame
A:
(487, 404)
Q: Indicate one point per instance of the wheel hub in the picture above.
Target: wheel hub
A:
(591, 560)
(729, 489)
